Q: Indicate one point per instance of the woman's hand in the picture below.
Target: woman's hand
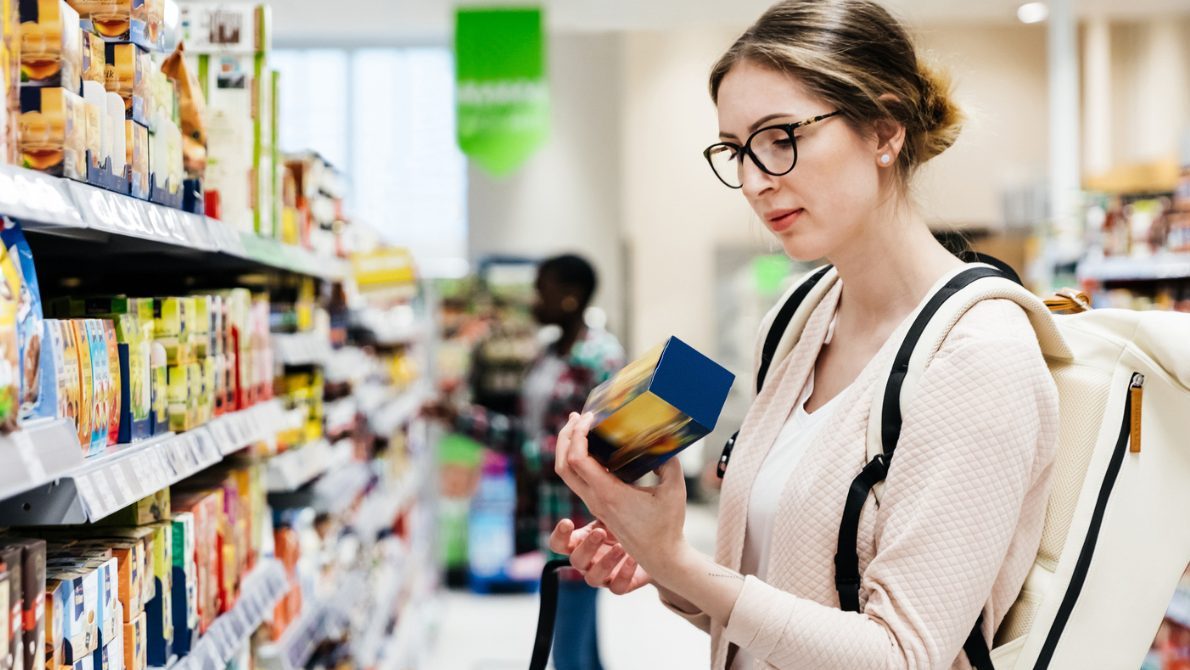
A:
(599, 557)
(647, 521)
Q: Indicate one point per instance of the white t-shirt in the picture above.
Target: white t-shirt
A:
(798, 433)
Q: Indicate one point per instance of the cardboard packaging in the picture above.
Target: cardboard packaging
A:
(130, 562)
(81, 622)
(184, 594)
(160, 401)
(59, 599)
(116, 381)
(86, 415)
(29, 317)
(136, 155)
(10, 74)
(206, 507)
(53, 129)
(33, 601)
(11, 655)
(137, 21)
(99, 144)
(151, 509)
(94, 59)
(101, 385)
(655, 407)
(51, 44)
(226, 28)
(126, 73)
(135, 636)
(10, 370)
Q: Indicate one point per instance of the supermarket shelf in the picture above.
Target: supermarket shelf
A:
(62, 487)
(332, 493)
(81, 211)
(387, 415)
(348, 365)
(1154, 268)
(301, 348)
(259, 593)
(318, 622)
(379, 510)
(340, 415)
(289, 471)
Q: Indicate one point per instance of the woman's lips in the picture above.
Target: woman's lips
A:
(782, 220)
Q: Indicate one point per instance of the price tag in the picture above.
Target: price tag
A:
(122, 490)
(174, 458)
(86, 492)
(108, 502)
(28, 455)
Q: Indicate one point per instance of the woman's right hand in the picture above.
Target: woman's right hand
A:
(599, 557)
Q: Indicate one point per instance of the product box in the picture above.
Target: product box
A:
(136, 155)
(101, 384)
(126, 73)
(184, 594)
(59, 601)
(98, 145)
(206, 506)
(178, 377)
(135, 650)
(173, 327)
(116, 382)
(54, 399)
(94, 59)
(111, 616)
(10, 362)
(655, 407)
(86, 415)
(29, 317)
(151, 509)
(158, 370)
(11, 655)
(53, 129)
(51, 44)
(33, 600)
(137, 21)
(226, 28)
(81, 620)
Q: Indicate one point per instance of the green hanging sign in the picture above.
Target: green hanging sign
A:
(501, 89)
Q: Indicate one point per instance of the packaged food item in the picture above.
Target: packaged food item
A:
(11, 655)
(206, 507)
(101, 385)
(111, 617)
(126, 73)
(10, 362)
(184, 594)
(130, 562)
(136, 154)
(116, 131)
(29, 316)
(158, 367)
(137, 21)
(59, 600)
(86, 415)
(31, 575)
(151, 509)
(99, 143)
(179, 397)
(51, 44)
(135, 652)
(94, 59)
(655, 407)
(81, 622)
(115, 385)
(53, 129)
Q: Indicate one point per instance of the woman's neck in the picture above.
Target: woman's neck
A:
(886, 273)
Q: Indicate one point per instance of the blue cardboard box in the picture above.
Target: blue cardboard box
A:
(655, 407)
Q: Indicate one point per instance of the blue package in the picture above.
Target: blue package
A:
(29, 319)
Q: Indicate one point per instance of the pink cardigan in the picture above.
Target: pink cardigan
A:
(960, 517)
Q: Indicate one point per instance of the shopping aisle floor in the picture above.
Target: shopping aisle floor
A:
(496, 632)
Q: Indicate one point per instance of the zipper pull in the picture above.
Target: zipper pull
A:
(1136, 391)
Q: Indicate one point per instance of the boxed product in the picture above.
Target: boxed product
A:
(127, 68)
(29, 317)
(130, 561)
(135, 650)
(206, 507)
(158, 371)
(151, 509)
(10, 65)
(179, 397)
(81, 621)
(51, 44)
(10, 362)
(184, 594)
(655, 407)
(59, 600)
(137, 21)
(53, 129)
(230, 139)
(11, 655)
(243, 28)
(94, 59)
(33, 602)
(115, 382)
(172, 327)
(101, 384)
(86, 415)
(110, 614)
(95, 112)
(136, 155)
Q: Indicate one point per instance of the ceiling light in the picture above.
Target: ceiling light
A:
(1033, 12)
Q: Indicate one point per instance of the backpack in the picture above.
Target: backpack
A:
(1116, 540)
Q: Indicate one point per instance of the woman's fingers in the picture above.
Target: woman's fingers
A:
(602, 570)
(584, 554)
(560, 538)
(625, 580)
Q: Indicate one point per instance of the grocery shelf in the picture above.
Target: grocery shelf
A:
(291, 470)
(301, 348)
(260, 591)
(387, 413)
(340, 415)
(318, 622)
(332, 493)
(1154, 268)
(61, 487)
(72, 209)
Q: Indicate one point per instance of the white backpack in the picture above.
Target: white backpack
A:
(1117, 529)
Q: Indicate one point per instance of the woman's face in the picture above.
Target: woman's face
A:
(827, 199)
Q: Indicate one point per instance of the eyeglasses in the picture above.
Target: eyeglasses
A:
(773, 149)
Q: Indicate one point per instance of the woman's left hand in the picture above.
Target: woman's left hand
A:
(648, 521)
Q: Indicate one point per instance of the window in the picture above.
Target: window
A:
(386, 117)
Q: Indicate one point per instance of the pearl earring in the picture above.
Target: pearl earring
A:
(884, 159)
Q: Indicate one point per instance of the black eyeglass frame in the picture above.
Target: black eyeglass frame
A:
(747, 147)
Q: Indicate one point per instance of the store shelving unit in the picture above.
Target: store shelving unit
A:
(1158, 267)
(301, 349)
(53, 484)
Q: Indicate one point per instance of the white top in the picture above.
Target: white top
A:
(798, 433)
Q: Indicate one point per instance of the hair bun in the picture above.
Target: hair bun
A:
(942, 120)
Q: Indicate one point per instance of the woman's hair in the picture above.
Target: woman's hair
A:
(858, 58)
(572, 271)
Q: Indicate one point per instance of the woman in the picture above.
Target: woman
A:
(557, 384)
(835, 89)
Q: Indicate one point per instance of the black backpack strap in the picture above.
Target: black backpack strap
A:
(847, 575)
(978, 654)
(547, 613)
(771, 341)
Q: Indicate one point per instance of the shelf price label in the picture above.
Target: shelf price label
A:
(30, 195)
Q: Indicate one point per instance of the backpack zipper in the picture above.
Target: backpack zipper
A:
(1136, 393)
(1129, 430)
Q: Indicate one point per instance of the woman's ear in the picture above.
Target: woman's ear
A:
(890, 136)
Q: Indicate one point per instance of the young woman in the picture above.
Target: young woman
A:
(825, 112)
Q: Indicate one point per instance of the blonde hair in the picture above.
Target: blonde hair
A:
(858, 58)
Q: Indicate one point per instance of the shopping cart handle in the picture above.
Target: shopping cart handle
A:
(547, 613)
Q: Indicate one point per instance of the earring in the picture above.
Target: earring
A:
(569, 303)
(885, 159)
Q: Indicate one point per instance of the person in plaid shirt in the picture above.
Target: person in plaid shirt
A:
(557, 384)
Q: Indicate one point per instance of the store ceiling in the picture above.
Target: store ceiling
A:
(388, 21)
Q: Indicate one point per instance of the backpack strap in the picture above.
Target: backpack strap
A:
(923, 338)
(783, 332)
